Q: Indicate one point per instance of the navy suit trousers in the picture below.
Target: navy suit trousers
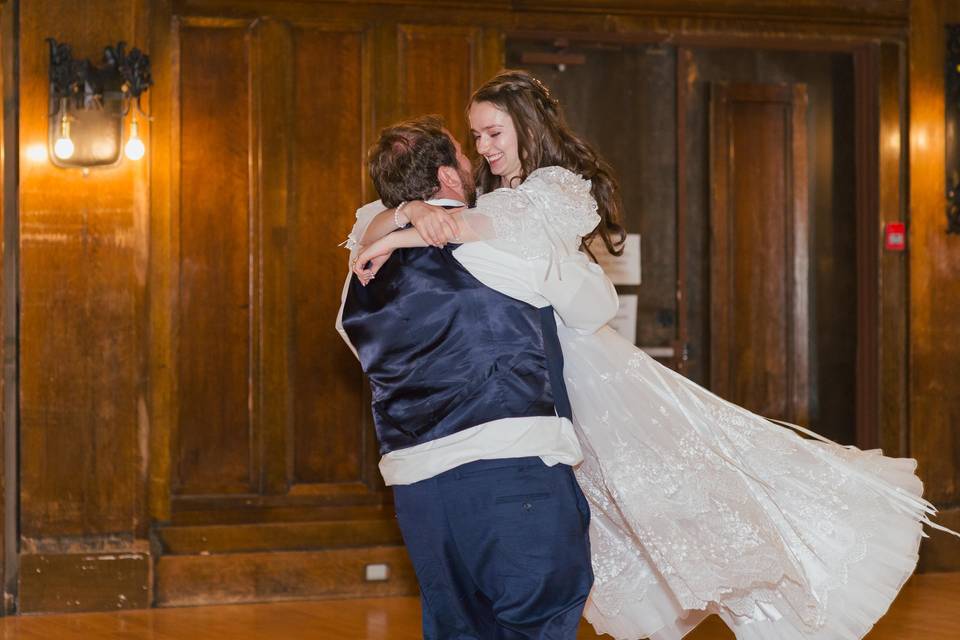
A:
(500, 549)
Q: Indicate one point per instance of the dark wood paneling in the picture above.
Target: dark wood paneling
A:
(239, 577)
(868, 246)
(893, 11)
(85, 582)
(82, 263)
(330, 123)
(451, 54)
(829, 79)
(894, 301)
(934, 286)
(279, 536)
(273, 82)
(759, 243)
(9, 255)
(163, 274)
(214, 431)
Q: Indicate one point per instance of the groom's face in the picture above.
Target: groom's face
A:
(465, 170)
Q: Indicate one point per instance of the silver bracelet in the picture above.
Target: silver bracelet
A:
(396, 215)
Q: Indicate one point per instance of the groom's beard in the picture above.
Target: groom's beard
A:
(469, 188)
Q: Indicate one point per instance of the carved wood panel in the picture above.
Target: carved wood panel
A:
(759, 242)
(269, 398)
(215, 430)
(439, 69)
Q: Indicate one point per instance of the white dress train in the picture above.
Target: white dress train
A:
(700, 506)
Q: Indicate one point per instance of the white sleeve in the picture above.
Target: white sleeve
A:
(541, 225)
(579, 291)
(546, 216)
(365, 215)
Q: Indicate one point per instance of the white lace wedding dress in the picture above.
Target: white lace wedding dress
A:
(699, 506)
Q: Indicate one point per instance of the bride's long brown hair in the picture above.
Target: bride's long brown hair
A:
(545, 139)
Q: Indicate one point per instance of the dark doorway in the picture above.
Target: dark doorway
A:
(647, 109)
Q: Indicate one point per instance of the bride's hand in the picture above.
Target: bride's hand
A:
(371, 258)
(434, 224)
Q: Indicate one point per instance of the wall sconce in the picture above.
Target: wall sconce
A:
(88, 105)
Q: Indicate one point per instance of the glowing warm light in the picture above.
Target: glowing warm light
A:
(63, 148)
(36, 153)
(134, 149)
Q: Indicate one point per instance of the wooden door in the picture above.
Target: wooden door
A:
(759, 248)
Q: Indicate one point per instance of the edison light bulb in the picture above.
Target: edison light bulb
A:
(63, 147)
(134, 149)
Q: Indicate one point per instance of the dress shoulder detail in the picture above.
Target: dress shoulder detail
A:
(553, 206)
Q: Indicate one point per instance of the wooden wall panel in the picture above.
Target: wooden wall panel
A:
(330, 115)
(214, 434)
(759, 244)
(82, 243)
(439, 71)
(934, 287)
(83, 259)
(8, 305)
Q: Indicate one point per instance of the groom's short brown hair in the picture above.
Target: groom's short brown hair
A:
(404, 161)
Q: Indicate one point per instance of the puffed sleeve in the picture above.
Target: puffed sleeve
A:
(543, 222)
(546, 216)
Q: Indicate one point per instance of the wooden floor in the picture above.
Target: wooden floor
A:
(926, 610)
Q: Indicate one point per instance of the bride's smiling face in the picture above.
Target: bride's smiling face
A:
(496, 138)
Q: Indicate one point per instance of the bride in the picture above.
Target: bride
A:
(698, 506)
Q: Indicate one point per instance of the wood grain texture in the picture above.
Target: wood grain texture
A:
(9, 448)
(451, 55)
(280, 575)
(893, 424)
(278, 536)
(83, 253)
(759, 244)
(160, 407)
(331, 116)
(829, 79)
(214, 437)
(84, 582)
(866, 62)
(934, 265)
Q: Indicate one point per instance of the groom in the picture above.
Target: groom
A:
(472, 416)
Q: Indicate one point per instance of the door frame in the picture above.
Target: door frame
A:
(880, 168)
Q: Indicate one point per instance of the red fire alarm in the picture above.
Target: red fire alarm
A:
(895, 236)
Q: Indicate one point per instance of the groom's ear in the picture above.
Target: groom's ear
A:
(448, 177)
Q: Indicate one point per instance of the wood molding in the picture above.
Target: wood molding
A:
(84, 582)
(280, 575)
(878, 11)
